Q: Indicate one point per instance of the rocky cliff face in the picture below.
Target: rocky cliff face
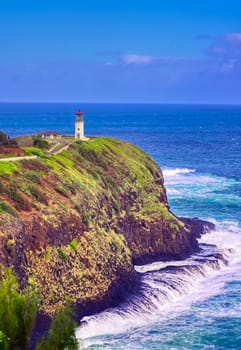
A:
(74, 224)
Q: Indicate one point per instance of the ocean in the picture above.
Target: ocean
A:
(189, 304)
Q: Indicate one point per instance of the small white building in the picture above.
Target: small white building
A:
(51, 135)
(79, 126)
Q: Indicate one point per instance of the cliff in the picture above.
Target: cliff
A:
(74, 224)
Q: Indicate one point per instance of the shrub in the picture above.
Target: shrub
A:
(66, 188)
(115, 245)
(18, 311)
(39, 142)
(92, 156)
(10, 244)
(2, 188)
(61, 334)
(3, 341)
(85, 217)
(7, 141)
(60, 189)
(62, 255)
(20, 201)
(116, 207)
(36, 193)
(78, 206)
(4, 206)
(3, 139)
(73, 244)
(33, 177)
(71, 187)
(109, 182)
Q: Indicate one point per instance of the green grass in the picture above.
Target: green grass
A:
(33, 151)
(8, 167)
(74, 245)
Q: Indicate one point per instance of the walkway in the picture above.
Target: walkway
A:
(15, 159)
(59, 147)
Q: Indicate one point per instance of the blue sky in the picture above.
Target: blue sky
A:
(167, 51)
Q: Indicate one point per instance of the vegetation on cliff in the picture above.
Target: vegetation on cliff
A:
(6, 141)
(74, 223)
(9, 146)
(18, 312)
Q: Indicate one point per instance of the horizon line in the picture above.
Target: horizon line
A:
(123, 102)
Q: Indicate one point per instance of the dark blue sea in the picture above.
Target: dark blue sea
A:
(189, 304)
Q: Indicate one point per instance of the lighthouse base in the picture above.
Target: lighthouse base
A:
(82, 138)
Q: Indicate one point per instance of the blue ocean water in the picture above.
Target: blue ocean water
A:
(196, 305)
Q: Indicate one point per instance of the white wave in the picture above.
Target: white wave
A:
(194, 179)
(177, 171)
(186, 183)
(169, 288)
(227, 238)
(161, 298)
(157, 265)
(194, 185)
(173, 191)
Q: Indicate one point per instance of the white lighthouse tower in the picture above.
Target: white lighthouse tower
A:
(79, 126)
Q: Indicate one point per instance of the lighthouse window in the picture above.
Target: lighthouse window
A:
(78, 128)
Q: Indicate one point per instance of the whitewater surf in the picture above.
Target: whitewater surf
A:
(169, 289)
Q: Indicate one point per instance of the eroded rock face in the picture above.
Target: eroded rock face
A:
(197, 226)
(73, 224)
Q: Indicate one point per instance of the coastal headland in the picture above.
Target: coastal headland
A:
(73, 224)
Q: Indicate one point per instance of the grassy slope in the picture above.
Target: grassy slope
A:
(73, 223)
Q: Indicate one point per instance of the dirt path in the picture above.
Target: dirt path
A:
(15, 159)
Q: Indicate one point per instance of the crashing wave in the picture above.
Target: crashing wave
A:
(169, 288)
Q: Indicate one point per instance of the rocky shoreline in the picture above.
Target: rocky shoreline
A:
(119, 292)
(197, 226)
(72, 225)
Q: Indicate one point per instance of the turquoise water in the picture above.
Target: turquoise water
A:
(190, 304)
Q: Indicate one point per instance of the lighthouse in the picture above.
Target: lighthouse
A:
(79, 126)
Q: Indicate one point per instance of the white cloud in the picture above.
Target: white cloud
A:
(137, 59)
(147, 59)
(228, 66)
(233, 37)
(227, 46)
(108, 63)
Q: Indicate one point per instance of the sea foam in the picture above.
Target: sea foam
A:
(170, 288)
(177, 171)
